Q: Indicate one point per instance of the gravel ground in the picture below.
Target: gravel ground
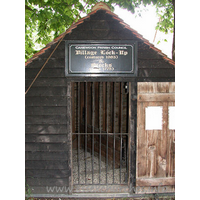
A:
(96, 170)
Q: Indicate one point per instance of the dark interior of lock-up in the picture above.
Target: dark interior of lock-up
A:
(100, 133)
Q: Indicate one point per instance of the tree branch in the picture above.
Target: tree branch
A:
(28, 8)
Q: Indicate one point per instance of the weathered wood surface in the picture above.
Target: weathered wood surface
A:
(155, 181)
(44, 181)
(155, 148)
(46, 101)
(48, 98)
(46, 164)
(156, 97)
(156, 87)
(51, 173)
(45, 155)
(132, 134)
(46, 138)
(45, 129)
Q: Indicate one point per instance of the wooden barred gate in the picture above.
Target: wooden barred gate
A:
(155, 159)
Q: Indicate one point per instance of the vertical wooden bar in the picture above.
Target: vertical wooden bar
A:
(111, 108)
(104, 106)
(78, 95)
(69, 134)
(96, 104)
(114, 100)
(86, 133)
(121, 133)
(93, 124)
(107, 106)
(100, 112)
(73, 107)
(82, 108)
(164, 136)
(119, 122)
(132, 135)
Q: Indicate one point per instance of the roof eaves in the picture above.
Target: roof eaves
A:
(74, 25)
(69, 30)
(139, 36)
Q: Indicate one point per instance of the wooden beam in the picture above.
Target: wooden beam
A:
(156, 97)
(155, 181)
(69, 133)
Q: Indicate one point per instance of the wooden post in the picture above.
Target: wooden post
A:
(132, 135)
(69, 134)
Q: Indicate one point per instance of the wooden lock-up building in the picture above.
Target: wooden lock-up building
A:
(100, 105)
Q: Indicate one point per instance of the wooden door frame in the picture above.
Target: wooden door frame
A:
(132, 135)
(131, 130)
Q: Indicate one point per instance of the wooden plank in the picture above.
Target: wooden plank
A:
(96, 104)
(47, 91)
(146, 72)
(73, 107)
(170, 168)
(104, 106)
(172, 87)
(69, 133)
(156, 79)
(46, 164)
(63, 181)
(82, 103)
(46, 138)
(45, 110)
(152, 87)
(46, 101)
(52, 63)
(145, 52)
(103, 79)
(171, 153)
(152, 136)
(169, 189)
(45, 128)
(89, 107)
(162, 157)
(141, 145)
(89, 25)
(156, 87)
(47, 82)
(46, 146)
(156, 97)
(142, 88)
(163, 87)
(32, 72)
(153, 63)
(43, 173)
(63, 81)
(45, 155)
(155, 181)
(58, 54)
(45, 119)
(132, 135)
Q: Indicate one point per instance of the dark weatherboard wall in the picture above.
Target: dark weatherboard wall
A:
(47, 125)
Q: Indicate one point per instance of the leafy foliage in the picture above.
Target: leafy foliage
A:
(47, 19)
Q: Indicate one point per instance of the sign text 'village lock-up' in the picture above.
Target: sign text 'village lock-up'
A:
(100, 58)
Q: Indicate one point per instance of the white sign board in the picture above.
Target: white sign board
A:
(153, 118)
(171, 117)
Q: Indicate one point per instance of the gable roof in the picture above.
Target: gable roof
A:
(97, 7)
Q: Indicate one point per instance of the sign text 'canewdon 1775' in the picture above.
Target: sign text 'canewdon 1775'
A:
(101, 58)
